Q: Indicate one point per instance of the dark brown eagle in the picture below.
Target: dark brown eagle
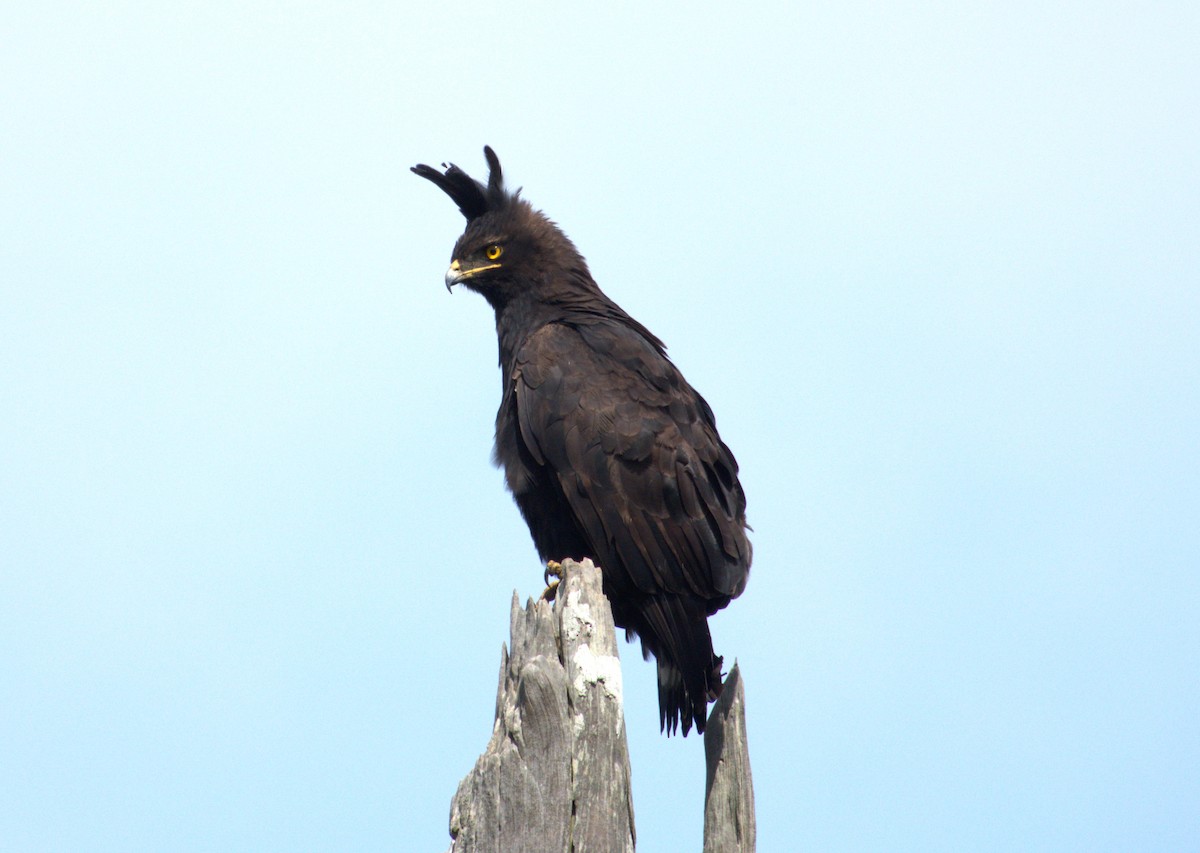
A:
(608, 451)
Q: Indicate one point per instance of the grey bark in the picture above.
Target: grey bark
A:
(729, 795)
(555, 774)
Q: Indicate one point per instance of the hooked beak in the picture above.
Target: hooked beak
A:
(457, 275)
(453, 275)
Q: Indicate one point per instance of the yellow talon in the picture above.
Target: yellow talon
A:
(554, 570)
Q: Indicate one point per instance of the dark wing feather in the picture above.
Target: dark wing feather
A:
(638, 460)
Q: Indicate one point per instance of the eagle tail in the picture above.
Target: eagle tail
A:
(689, 673)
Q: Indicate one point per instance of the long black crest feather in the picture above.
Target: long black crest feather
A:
(472, 197)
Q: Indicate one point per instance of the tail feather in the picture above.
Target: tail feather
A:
(689, 673)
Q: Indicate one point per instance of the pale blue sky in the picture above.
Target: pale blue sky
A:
(936, 267)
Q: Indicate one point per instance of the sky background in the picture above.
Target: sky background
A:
(935, 266)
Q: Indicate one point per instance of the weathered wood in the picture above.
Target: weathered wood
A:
(729, 795)
(555, 774)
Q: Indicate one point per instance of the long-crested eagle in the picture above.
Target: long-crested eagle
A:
(608, 451)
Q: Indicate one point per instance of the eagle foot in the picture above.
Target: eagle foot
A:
(554, 570)
(717, 681)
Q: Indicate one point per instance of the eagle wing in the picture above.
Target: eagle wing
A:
(635, 452)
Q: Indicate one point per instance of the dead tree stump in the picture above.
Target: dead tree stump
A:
(729, 794)
(555, 775)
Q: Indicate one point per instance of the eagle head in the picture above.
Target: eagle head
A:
(507, 245)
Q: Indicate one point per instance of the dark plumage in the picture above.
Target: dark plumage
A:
(608, 451)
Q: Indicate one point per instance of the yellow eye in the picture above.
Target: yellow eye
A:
(493, 252)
